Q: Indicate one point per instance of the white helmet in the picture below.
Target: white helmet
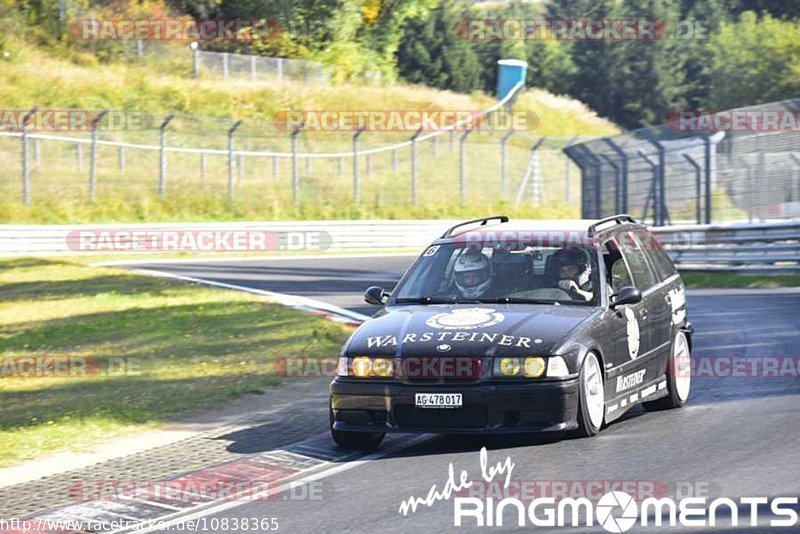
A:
(473, 273)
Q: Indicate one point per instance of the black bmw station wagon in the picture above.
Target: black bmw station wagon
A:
(516, 327)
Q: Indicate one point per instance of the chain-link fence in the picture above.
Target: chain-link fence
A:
(673, 173)
(258, 68)
(136, 159)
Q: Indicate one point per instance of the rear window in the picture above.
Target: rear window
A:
(643, 277)
(660, 259)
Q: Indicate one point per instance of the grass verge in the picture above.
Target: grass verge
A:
(712, 280)
(186, 347)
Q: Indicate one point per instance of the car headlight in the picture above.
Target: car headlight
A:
(534, 367)
(556, 367)
(529, 367)
(382, 367)
(365, 367)
(361, 367)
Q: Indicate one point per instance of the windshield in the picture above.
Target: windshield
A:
(488, 272)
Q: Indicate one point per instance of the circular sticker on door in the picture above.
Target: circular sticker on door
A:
(633, 333)
(465, 319)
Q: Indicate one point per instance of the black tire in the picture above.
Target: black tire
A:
(361, 441)
(673, 399)
(586, 428)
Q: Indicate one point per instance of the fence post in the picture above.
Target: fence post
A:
(252, 68)
(504, 164)
(356, 178)
(162, 168)
(79, 155)
(434, 145)
(651, 195)
(195, 58)
(224, 64)
(749, 193)
(274, 167)
(710, 147)
(26, 175)
(295, 177)
(462, 168)
(394, 160)
(37, 152)
(121, 158)
(796, 160)
(567, 173)
(231, 162)
(414, 198)
(660, 213)
(280, 69)
(528, 172)
(93, 155)
(623, 172)
(617, 181)
(697, 187)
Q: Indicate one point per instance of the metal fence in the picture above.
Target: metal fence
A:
(258, 68)
(669, 176)
(189, 159)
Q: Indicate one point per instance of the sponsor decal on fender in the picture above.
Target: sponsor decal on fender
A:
(633, 333)
(631, 380)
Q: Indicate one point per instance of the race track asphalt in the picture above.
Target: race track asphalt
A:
(736, 437)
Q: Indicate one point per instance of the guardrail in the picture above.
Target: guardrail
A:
(750, 247)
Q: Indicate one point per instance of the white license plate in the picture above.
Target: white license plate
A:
(438, 400)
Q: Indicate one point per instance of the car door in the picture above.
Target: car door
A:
(650, 308)
(659, 306)
(629, 323)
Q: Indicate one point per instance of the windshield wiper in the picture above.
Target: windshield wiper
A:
(425, 300)
(518, 300)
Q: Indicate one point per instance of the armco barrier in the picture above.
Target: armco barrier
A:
(753, 247)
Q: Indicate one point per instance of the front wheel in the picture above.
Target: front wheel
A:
(591, 397)
(362, 441)
(679, 376)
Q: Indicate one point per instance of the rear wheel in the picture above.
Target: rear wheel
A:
(363, 441)
(679, 376)
(591, 397)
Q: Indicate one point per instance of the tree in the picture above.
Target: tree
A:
(434, 52)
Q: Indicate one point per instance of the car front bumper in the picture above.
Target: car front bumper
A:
(546, 406)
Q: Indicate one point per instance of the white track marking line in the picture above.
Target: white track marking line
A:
(280, 298)
(177, 261)
(172, 519)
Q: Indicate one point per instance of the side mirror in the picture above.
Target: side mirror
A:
(375, 295)
(626, 295)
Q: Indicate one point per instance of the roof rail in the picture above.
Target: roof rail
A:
(483, 221)
(618, 219)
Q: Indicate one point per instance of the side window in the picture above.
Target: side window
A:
(642, 275)
(661, 261)
(618, 275)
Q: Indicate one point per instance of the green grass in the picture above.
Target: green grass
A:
(734, 280)
(163, 85)
(193, 347)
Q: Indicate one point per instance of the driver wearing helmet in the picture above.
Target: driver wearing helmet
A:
(473, 274)
(572, 271)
